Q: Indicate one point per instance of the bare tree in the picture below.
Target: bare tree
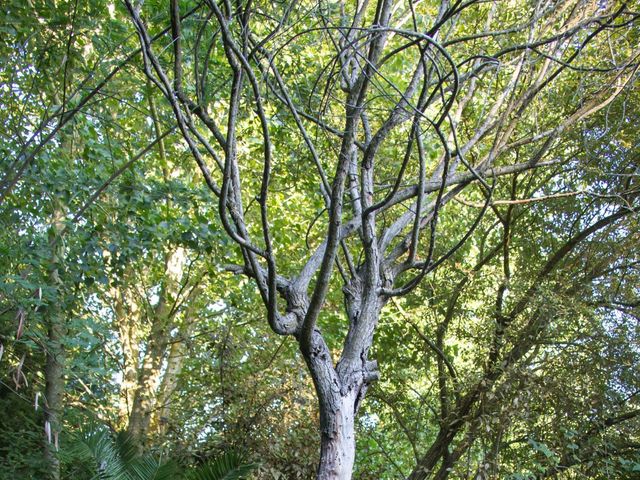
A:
(382, 214)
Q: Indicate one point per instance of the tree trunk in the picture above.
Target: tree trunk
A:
(146, 394)
(169, 384)
(128, 324)
(338, 398)
(54, 392)
(55, 358)
(338, 440)
(175, 362)
(429, 461)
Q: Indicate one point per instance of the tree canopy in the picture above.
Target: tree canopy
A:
(333, 240)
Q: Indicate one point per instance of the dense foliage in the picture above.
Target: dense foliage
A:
(140, 333)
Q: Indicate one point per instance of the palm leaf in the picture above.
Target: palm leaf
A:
(127, 449)
(149, 468)
(94, 446)
(228, 466)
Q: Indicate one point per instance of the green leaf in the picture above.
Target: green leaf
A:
(229, 466)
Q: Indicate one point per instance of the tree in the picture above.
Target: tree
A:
(399, 111)
(401, 84)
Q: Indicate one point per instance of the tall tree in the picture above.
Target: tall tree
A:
(457, 178)
(384, 121)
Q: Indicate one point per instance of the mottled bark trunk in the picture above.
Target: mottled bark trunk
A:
(169, 384)
(175, 362)
(146, 394)
(340, 391)
(338, 440)
(341, 388)
(54, 393)
(55, 355)
(127, 322)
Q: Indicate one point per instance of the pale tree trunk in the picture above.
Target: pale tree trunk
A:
(175, 362)
(338, 441)
(145, 396)
(337, 414)
(168, 385)
(340, 392)
(127, 315)
(55, 355)
(342, 387)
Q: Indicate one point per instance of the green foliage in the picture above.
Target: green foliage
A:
(95, 449)
(229, 466)
(96, 453)
(20, 455)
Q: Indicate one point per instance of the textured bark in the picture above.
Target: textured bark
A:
(338, 442)
(54, 393)
(55, 355)
(175, 362)
(127, 322)
(337, 414)
(146, 392)
(341, 389)
(169, 384)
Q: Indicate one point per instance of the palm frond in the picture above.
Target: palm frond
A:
(127, 449)
(229, 466)
(94, 446)
(149, 468)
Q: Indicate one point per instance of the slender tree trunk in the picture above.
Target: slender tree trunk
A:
(146, 393)
(55, 355)
(169, 384)
(127, 319)
(175, 362)
(54, 393)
